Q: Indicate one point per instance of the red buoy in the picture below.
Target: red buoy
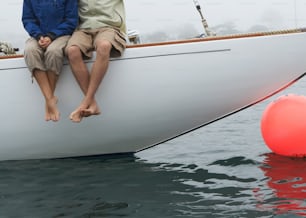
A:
(283, 125)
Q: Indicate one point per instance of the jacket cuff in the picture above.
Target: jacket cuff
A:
(38, 37)
(51, 35)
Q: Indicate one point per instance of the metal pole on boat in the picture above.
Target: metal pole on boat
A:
(204, 22)
(295, 14)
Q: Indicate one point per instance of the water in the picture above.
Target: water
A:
(221, 170)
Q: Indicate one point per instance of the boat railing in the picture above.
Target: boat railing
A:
(220, 37)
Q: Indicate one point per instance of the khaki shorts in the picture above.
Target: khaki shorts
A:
(50, 59)
(86, 40)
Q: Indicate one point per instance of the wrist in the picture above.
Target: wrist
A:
(38, 37)
(52, 36)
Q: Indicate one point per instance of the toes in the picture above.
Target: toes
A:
(76, 116)
(55, 118)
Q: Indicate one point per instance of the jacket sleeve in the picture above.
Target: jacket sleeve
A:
(30, 21)
(70, 21)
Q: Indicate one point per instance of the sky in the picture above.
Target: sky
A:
(158, 20)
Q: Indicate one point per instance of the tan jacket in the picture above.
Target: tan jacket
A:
(95, 14)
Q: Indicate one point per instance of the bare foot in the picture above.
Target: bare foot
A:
(92, 109)
(84, 110)
(77, 115)
(52, 113)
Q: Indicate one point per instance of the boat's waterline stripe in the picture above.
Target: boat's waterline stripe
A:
(142, 57)
(171, 54)
(13, 68)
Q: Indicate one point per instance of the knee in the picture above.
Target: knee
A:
(73, 52)
(54, 52)
(32, 49)
(103, 48)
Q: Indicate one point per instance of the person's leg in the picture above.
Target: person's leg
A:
(88, 105)
(78, 67)
(79, 45)
(108, 42)
(52, 105)
(34, 57)
(98, 71)
(52, 113)
(52, 78)
(54, 58)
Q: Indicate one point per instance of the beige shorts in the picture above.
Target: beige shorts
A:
(86, 40)
(50, 59)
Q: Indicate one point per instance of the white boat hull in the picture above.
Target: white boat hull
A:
(149, 95)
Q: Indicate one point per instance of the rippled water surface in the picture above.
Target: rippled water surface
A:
(221, 170)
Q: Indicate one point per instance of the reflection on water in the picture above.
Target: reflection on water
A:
(129, 187)
(287, 179)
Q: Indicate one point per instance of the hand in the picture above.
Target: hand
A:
(44, 42)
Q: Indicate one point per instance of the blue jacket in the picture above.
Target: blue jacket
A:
(53, 18)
